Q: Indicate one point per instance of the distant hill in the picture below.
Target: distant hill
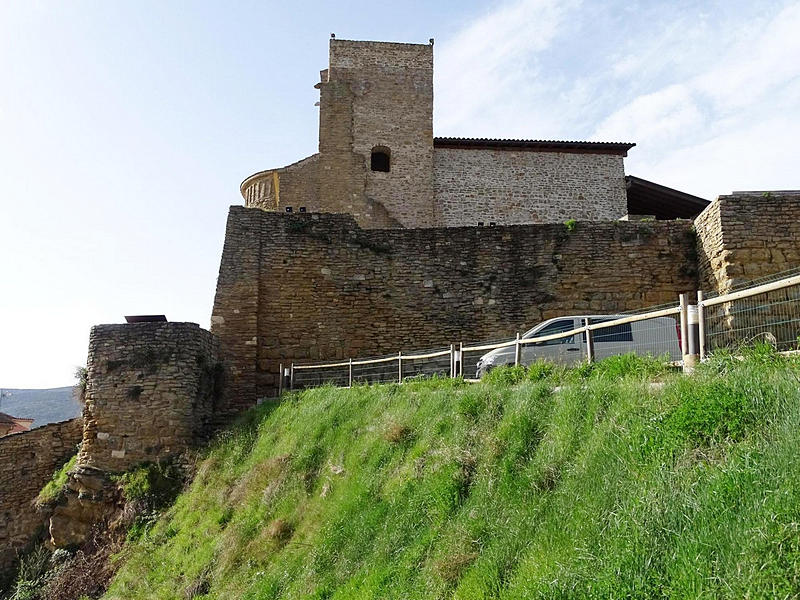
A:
(44, 406)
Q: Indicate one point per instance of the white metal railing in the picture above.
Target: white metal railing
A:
(693, 324)
(749, 314)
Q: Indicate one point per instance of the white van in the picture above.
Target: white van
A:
(654, 337)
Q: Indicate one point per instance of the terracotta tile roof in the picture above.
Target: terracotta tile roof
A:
(9, 424)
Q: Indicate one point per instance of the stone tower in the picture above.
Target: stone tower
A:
(376, 133)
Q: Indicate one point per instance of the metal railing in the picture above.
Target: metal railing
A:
(769, 312)
(681, 333)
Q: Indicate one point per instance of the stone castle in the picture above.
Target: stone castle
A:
(379, 161)
(374, 245)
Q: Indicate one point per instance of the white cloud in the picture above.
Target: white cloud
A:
(709, 91)
(476, 69)
(660, 116)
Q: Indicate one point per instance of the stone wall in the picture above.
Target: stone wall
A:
(510, 187)
(27, 462)
(712, 262)
(151, 393)
(295, 185)
(299, 287)
(378, 94)
(747, 235)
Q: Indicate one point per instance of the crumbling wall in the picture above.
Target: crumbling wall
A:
(319, 287)
(150, 392)
(747, 235)
(27, 462)
(515, 186)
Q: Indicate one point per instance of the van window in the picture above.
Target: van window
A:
(617, 333)
(556, 327)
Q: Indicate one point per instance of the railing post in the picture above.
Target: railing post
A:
(689, 334)
(291, 377)
(460, 359)
(350, 373)
(701, 324)
(693, 345)
(517, 348)
(684, 325)
(280, 379)
(452, 361)
(589, 342)
(400, 367)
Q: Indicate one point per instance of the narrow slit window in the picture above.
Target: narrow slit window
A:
(381, 159)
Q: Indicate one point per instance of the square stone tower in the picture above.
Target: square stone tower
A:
(376, 133)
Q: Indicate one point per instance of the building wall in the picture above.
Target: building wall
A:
(327, 289)
(747, 235)
(295, 185)
(150, 393)
(27, 462)
(378, 94)
(516, 186)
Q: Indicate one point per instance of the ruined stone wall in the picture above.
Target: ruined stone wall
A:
(27, 462)
(318, 287)
(377, 94)
(150, 393)
(747, 235)
(295, 185)
(712, 260)
(511, 187)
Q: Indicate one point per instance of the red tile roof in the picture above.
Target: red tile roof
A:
(9, 424)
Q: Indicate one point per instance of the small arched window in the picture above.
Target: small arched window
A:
(381, 157)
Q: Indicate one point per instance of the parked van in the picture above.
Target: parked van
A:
(654, 337)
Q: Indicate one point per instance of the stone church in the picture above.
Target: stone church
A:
(379, 161)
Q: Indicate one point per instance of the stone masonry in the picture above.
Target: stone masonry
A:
(510, 186)
(27, 462)
(298, 287)
(747, 235)
(379, 96)
(151, 393)
(742, 237)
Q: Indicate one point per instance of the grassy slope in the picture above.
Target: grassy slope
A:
(602, 488)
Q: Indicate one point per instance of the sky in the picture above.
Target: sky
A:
(127, 126)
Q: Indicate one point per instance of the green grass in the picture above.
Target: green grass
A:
(537, 483)
(52, 490)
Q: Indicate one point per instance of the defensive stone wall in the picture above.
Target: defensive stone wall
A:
(150, 393)
(295, 287)
(27, 462)
(747, 235)
(511, 187)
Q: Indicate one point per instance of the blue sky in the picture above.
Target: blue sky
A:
(126, 127)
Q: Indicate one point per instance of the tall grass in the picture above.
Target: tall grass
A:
(537, 483)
